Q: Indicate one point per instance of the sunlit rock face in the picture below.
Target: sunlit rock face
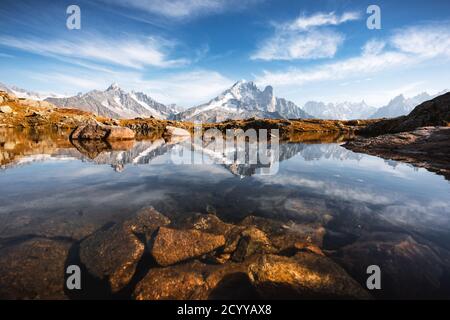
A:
(303, 276)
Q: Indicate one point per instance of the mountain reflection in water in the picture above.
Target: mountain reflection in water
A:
(371, 210)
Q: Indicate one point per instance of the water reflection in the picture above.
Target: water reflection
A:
(372, 211)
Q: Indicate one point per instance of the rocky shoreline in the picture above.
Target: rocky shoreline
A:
(421, 138)
(426, 147)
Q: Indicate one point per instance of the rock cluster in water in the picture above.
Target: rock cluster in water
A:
(148, 256)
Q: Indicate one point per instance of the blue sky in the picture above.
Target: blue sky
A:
(187, 51)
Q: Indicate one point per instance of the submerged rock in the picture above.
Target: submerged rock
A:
(304, 276)
(207, 223)
(146, 222)
(285, 236)
(33, 269)
(195, 281)
(171, 246)
(113, 254)
(251, 241)
(409, 270)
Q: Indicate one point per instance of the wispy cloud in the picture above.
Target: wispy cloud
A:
(303, 38)
(309, 45)
(304, 22)
(183, 88)
(184, 8)
(406, 47)
(127, 52)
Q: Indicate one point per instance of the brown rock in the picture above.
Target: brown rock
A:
(410, 270)
(174, 283)
(171, 246)
(207, 223)
(307, 247)
(33, 269)
(112, 255)
(196, 281)
(97, 131)
(146, 222)
(251, 241)
(304, 276)
(284, 236)
(120, 133)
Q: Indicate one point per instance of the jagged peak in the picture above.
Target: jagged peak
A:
(113, 87)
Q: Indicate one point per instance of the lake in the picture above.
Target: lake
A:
(371, 210)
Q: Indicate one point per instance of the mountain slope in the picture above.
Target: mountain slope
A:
(243, 100)
(339, 111)
(400, 105)
(435, 112)
(116, 103)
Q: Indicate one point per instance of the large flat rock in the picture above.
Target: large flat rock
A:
(171, 246)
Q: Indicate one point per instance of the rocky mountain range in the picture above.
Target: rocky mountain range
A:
(114, 102)
(243, 100)
(339, 111)
(400, 105)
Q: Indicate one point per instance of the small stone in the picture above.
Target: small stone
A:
(171, 246)
(6, 109)
(251, 241)
(308, 247)
(146, 222)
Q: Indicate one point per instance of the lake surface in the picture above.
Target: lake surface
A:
(373, 211)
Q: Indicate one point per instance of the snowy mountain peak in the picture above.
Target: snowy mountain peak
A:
(243, 100)
(114, 87)
(339, 111)
(401, 105)
(115, 102)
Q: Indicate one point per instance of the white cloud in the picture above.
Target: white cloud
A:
(290, 46)
(408, 47)
(184, 8)
(321, 19)
(427, 41)
(373, 47)
(304, 39)
(125, 51)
